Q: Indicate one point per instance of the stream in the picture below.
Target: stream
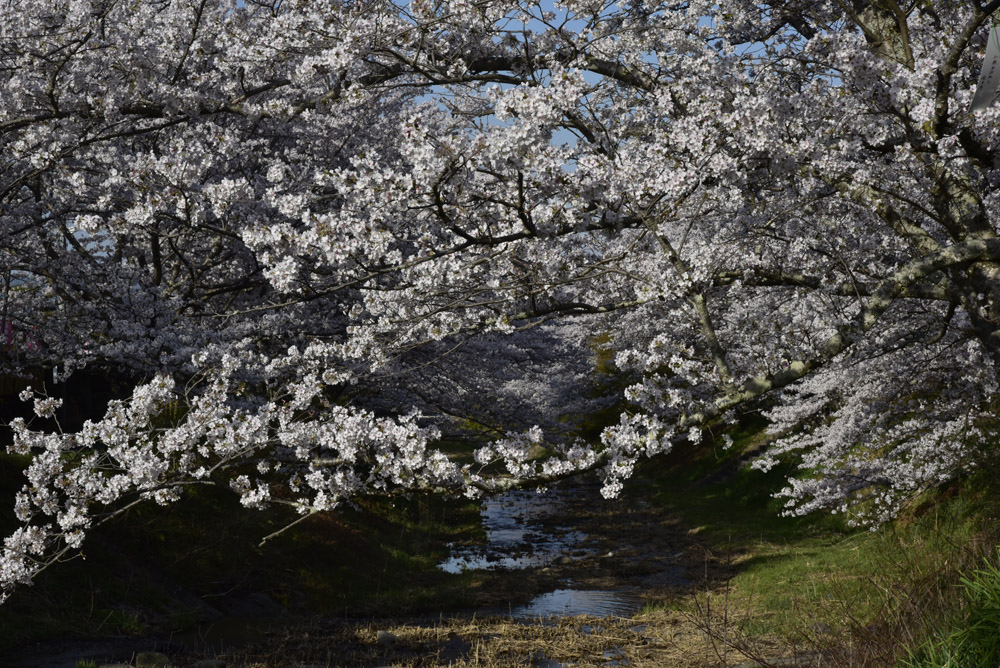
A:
(526, 529)
(603, 557)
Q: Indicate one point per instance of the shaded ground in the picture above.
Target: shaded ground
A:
(771, 583)
(627, 547)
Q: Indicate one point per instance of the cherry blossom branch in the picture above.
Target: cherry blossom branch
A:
(877, 304)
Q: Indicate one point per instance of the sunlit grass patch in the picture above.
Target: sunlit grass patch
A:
(859, 596)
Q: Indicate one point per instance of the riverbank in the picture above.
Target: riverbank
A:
(581, 554)
(647, 640)
(759, 589)
(691, 567)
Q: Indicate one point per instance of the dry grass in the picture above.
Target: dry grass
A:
(654, 639)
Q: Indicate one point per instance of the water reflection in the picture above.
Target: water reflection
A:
(569, 602)
(525, 529)
(519, 534)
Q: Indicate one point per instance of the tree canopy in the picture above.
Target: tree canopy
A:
(317, 237)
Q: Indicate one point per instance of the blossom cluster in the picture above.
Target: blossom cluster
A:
(315, 239)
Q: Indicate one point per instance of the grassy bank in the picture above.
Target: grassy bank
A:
(766, 588)
(814, 584)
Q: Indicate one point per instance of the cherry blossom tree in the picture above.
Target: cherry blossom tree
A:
(314, 237)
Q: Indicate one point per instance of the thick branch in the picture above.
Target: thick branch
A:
(763, 278)
(881, 299)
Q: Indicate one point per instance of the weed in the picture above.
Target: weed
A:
(970, 637)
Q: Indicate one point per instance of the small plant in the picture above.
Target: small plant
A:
(124, 621)
(86, 663)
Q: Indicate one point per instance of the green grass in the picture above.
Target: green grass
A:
(769, 575)
(969, 635)
(814, 579)
(844, 579)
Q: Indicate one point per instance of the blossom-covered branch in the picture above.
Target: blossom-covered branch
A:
(312, 241)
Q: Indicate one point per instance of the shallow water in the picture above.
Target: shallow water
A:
(580, 602)
(515, 535)
(523, 530)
